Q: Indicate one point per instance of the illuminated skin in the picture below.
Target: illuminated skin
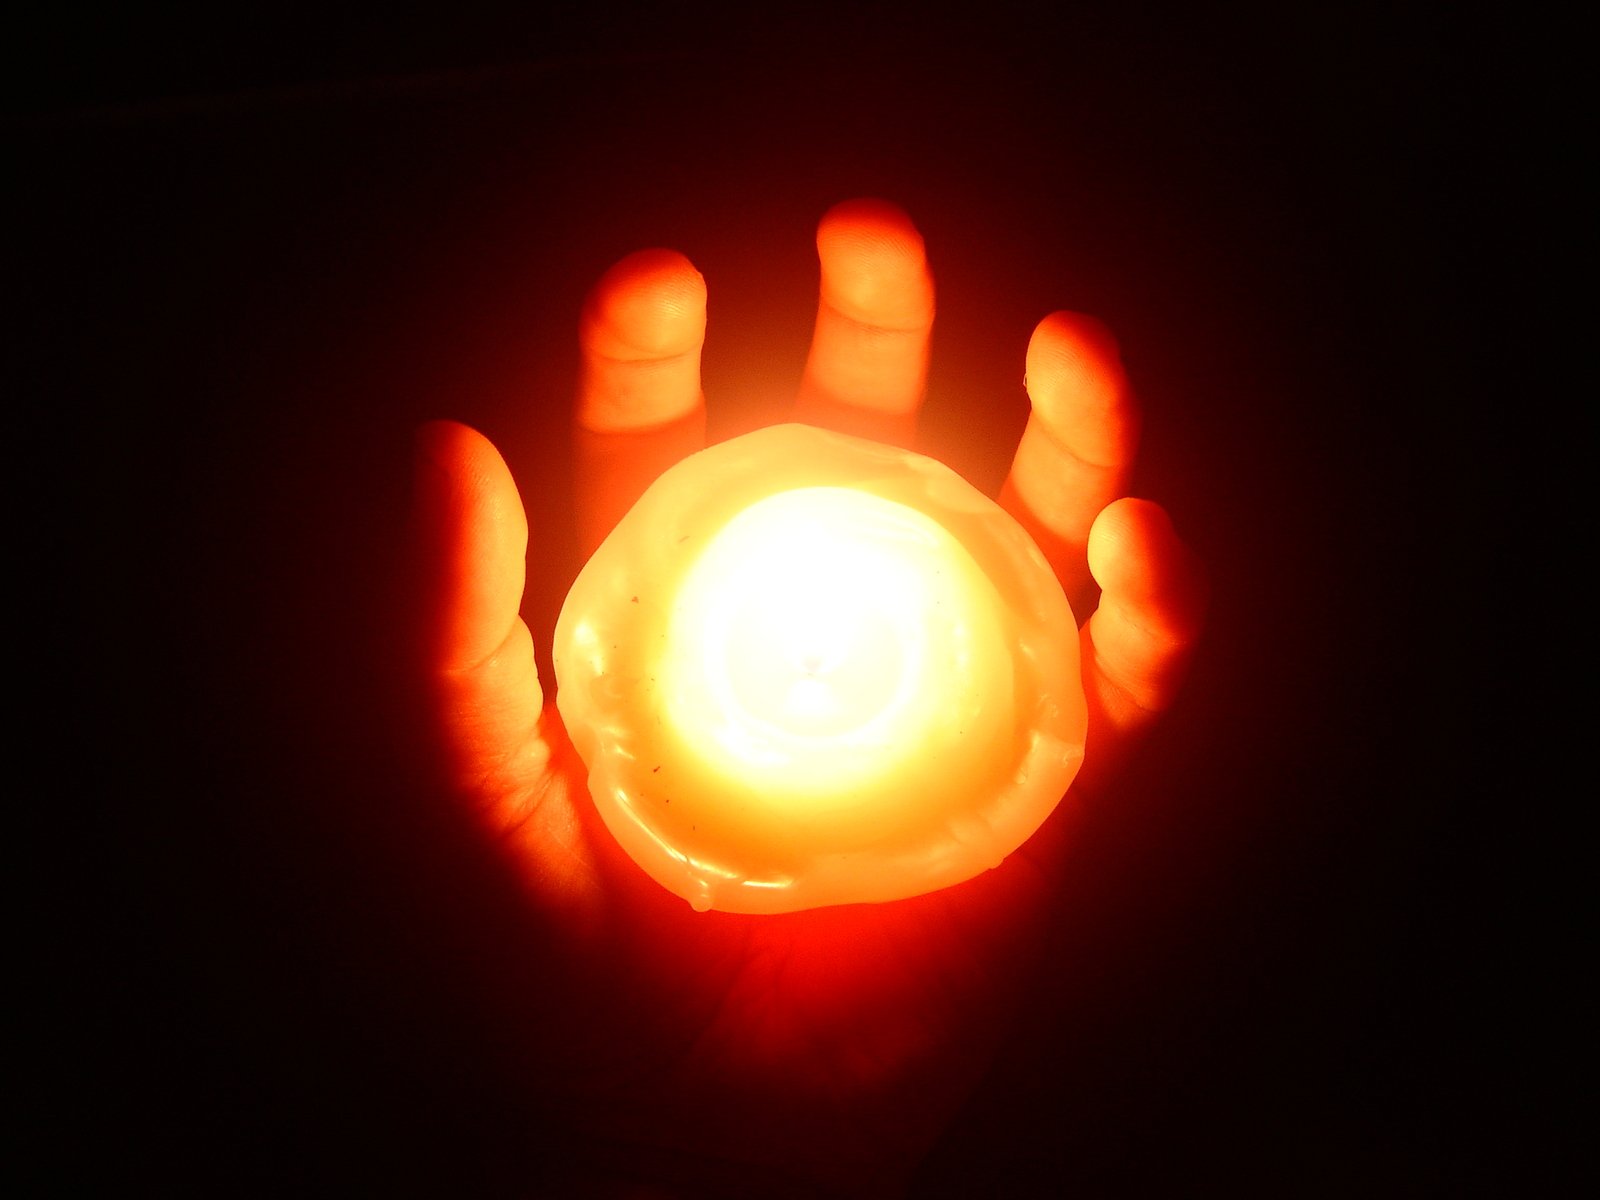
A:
(828, 1046)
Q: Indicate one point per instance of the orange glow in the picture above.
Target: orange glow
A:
(810, 670)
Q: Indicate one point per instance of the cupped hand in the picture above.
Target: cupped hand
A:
(817, 1049)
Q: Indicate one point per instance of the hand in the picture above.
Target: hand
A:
(826, 1047)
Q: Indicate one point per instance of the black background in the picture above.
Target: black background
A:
(255, 252)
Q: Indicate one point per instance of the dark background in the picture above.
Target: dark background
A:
(255, 251)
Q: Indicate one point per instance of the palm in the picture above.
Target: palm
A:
(832, 1042)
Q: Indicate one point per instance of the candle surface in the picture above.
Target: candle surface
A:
(807, 669)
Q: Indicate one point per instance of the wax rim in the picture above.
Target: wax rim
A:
(613, 625)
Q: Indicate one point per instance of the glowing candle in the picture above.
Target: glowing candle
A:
(807, 669)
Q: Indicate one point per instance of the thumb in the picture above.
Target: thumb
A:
(472, 538)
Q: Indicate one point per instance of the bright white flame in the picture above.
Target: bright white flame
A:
(803, 638)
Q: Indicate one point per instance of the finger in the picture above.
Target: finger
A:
(868, 366)
(1078, 447)
(1137, 645)
(640, 407)
(473, 538)
(472, 541)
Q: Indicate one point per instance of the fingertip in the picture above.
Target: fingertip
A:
(458, 471)
(867, 369)
(1138, 644)
(640, 336)
(1078, 447)
(447, 445)
(875, 265)
(1147, 571)
(472, 539)
(1121, 524)
(877, 221)
(1079, 389)
(650, 305)
(1084, 331)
